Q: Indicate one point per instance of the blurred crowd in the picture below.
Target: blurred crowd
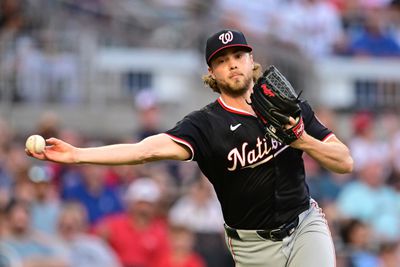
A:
(46, 46)
(161, 214)
(165, 214)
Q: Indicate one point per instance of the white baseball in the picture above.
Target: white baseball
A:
(35, 143)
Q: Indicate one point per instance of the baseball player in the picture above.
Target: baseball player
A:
(270, 218)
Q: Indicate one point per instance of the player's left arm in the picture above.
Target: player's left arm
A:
(332, 154)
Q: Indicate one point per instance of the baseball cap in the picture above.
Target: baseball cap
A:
(143, 189)
(225, 39)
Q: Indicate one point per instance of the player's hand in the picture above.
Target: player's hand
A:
(292, 122)
(297, 143)
(56, 150)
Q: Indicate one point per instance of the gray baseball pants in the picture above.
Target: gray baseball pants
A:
(310, 245)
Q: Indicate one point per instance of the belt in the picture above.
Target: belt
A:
(277, 234)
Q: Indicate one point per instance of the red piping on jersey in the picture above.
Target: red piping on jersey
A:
(231, 247)
(315, 205)
(183, 142)
(233, 110)
(327, 137)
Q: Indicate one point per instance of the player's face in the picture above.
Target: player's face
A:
(233, 71)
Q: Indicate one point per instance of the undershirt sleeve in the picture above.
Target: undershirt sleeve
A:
(312, 125)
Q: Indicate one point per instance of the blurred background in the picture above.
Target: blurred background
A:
(95, 72)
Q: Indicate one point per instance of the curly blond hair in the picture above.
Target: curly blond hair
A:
(212, 83)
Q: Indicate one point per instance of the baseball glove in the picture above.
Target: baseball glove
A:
(274, 101)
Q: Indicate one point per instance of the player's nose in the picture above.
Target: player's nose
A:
(232, 64)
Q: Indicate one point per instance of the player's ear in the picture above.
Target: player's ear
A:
(252, 59)
(210, 71)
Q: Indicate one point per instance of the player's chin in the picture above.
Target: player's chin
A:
(239, 86)
(240, 83)
(237, 91)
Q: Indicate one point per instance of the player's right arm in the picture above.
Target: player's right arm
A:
(153, 148)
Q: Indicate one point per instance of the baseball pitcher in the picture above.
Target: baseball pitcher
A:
(249, 144)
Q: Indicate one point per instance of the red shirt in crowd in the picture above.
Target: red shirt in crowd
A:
(191, 260)
(134, 246)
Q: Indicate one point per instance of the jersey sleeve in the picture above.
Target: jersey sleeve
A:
(190, 132)
(312, 125)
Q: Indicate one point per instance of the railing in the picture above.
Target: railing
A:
(95, 92)
(101, 98)
(358, 83)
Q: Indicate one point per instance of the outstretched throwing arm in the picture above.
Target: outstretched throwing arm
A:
(153, 148)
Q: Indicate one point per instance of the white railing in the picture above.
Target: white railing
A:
(107, 99)
(365, 83)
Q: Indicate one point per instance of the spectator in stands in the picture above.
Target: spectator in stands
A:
(374, 39)
(182, 22)
(367, 4)
(8, 256)
(8, 8)
(161, 174)
(16, 165)
(146, 103)
(369, 199)
(364, 143)
(390, 128)
(11, 17)
(85, 250)
(119, 178)
(61, 71)
(313, 26)
(180, 254)
(324, 186)
(48, 124)
(33, 249)
(93, 193)
(15, 28)
(357, 239)
(138, 237)
(66, 177)
(23, 190)
(260, 19)
(6, 180)
(2, 222)
(395, 18)
(30, 76)
(241, 15)
(45, 206)
(389, 254)
(200, 211)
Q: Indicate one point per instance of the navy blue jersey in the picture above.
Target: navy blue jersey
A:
(259, 182)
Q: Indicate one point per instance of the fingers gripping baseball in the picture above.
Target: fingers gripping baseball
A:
(55, 150)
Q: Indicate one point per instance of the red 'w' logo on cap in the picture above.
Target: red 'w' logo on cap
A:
(266, 90)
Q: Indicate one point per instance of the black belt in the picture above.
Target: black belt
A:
(277, 234)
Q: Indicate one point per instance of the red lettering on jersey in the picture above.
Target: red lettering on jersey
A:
(267, 91)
